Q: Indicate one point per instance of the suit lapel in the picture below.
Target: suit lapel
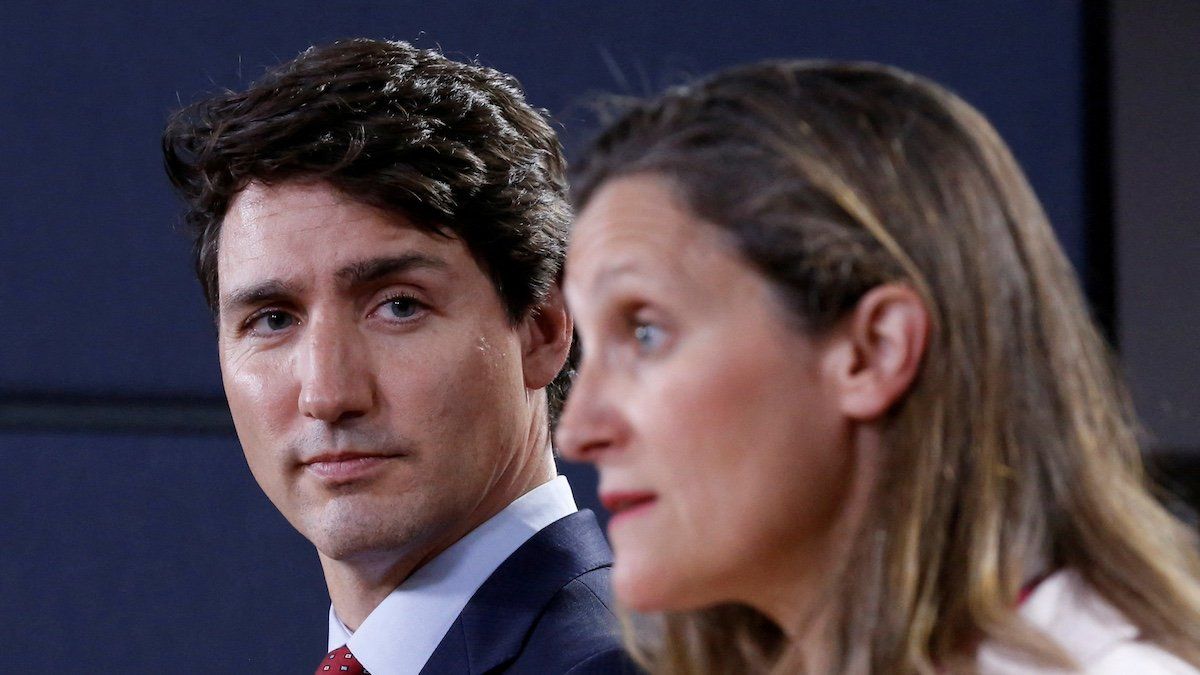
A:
(492, 627)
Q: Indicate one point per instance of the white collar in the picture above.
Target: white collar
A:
(1067, 610)
(400, 635)
(1076, 616)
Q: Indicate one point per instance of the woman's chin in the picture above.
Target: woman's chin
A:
(645, 588)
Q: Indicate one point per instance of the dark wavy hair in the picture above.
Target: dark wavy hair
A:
(452, 147)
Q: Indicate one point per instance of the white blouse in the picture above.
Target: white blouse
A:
(1092, 632)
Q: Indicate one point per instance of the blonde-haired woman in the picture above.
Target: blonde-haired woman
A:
(847, 405)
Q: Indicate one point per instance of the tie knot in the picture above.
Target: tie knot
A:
(341, 661)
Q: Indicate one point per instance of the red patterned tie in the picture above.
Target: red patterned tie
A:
(341, 661)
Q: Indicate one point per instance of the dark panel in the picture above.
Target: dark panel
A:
(96, 290)
(159, 552)
(1100, 273)
(1176, 472)
(160, 415)
(1156, 58)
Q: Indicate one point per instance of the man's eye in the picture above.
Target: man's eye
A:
(273, 321)
(401, 308)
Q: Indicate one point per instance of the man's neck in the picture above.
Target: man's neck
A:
(356, 587)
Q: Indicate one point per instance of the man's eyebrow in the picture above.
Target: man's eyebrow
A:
(354, 274)
(366, 271)
(257, 294)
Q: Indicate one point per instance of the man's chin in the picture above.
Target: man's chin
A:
(361, 547)
(345, 531)
(355, 536)
(370, 528)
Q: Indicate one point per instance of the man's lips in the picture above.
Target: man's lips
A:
(618, 503)
(346, 467)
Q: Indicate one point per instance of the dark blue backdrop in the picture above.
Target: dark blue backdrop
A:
(159, 545)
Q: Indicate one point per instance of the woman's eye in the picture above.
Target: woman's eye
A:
(273, 321)
(648, 336)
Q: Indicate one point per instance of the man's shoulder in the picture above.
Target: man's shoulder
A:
(546, 609)
(578, 632)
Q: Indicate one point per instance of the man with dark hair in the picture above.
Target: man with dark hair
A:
(380, 234)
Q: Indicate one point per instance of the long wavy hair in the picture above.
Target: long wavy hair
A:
(1015, 451)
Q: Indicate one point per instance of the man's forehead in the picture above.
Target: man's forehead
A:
(299, 233)
(259, 200)
(261, 211)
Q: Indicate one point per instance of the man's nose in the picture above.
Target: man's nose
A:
(334, 369)
(591, 427)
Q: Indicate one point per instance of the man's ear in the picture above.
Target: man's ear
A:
(545, 339)
(883, 344)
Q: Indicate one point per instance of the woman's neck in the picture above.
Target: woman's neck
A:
(801, 593)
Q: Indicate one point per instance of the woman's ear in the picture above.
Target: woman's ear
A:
(883, 343)
(545, 339)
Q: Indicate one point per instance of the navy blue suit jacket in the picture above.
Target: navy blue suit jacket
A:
(545, 610)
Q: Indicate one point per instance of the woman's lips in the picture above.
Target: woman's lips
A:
(626, 505)
(346, 467)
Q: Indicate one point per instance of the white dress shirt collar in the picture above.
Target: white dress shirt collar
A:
(400, 635)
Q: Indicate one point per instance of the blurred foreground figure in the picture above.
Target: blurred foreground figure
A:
(380, 234)
(845, 398)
